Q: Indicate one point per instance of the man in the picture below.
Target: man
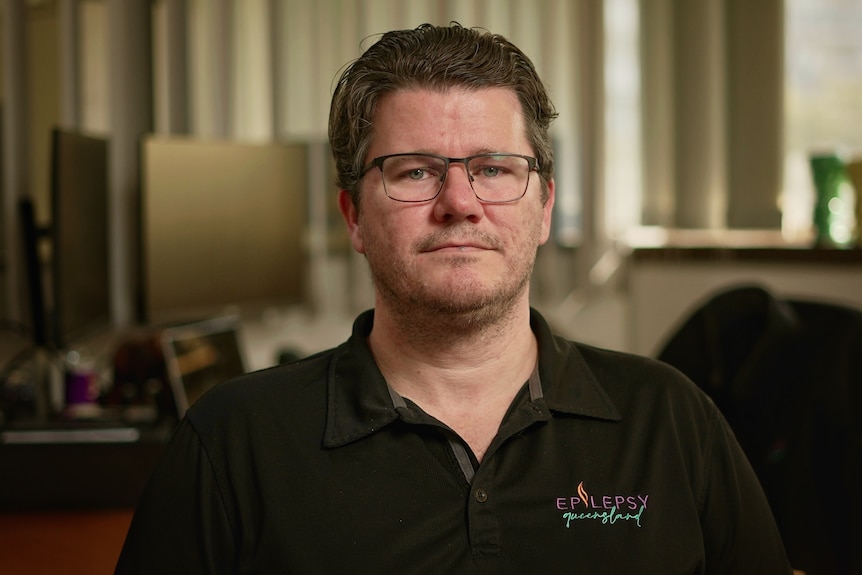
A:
(453, 432)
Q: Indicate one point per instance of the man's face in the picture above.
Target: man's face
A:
(452, 254)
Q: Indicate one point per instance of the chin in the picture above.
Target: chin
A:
(474, 303)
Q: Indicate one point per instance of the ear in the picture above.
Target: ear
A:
(351, 218)
(547, 211)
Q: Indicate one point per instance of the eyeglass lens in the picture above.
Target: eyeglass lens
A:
(418, 178)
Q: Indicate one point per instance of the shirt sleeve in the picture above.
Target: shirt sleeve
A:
(180, 524)
(740, 533)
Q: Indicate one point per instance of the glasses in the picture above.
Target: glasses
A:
(495, 178)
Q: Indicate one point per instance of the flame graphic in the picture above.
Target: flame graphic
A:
(582, 493)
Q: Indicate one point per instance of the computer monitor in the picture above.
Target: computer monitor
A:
(79, 289)
(223, 227)
(32, 234)
(199, 356)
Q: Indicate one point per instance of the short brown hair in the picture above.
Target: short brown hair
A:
(438, 58)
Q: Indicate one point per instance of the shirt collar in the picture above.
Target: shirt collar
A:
(360, 402)
(568, 383)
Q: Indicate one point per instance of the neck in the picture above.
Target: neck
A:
(405, 344)
(464, 373)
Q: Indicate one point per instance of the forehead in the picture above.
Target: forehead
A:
(452, 121)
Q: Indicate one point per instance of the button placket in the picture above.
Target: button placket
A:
(482, 517)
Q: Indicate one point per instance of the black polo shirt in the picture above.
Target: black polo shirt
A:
(605, 463)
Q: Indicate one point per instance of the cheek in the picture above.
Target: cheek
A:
(375, 236)
(374, 231)
(527, 229)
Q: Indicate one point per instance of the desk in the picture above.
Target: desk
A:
(62, 542)
(54, 476)
(65, 507)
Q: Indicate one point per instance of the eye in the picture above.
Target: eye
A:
(411, 168)
(489, 168)
(490, 171)
(416, 174)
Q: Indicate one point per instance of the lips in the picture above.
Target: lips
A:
(447, 240)
(457, 246)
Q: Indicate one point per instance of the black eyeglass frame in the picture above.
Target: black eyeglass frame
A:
(533, 166)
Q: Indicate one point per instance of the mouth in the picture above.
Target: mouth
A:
(454, 246)
(449, 242)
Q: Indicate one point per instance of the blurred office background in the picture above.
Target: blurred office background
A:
(683, 125)
(166, 160)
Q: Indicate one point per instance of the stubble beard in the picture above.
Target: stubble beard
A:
(461, 305)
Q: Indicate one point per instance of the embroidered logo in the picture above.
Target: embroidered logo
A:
(607, 508)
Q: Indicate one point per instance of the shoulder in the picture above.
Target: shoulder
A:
(264, 398)
(572, 370)
(663, 412)
(643, 389)
(630, 372)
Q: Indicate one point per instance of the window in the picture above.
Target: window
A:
(823, 97)
(623, 184)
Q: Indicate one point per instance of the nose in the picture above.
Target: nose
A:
(456, 200)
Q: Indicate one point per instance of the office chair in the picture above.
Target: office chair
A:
(787, 375)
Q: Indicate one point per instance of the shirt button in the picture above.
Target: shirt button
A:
(480, 495)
